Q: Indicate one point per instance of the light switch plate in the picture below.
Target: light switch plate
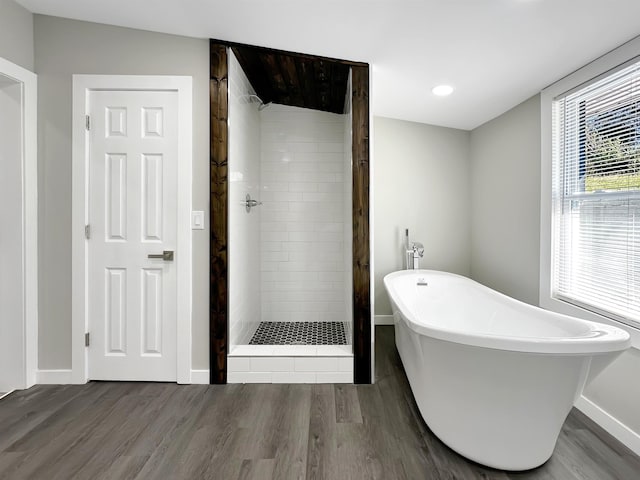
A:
(197, 220)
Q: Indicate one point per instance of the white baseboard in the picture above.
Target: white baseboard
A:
(611, 424)
(53, 377)
(200, 377)
(384, 319)
(63, 377)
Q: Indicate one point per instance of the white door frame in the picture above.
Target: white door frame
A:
(82, 86)
(28, 327)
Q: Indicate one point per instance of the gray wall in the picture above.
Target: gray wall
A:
(505, 238)
(421, 182)
(617, 390)
(16, 34)
(505, 202)
(65, 47)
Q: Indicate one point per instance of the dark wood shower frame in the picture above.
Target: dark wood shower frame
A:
(219, 299)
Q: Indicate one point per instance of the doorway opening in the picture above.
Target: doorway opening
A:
(18, 237)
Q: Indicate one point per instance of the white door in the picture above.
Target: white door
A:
(132, 291)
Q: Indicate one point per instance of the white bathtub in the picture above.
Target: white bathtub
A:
(494, 378)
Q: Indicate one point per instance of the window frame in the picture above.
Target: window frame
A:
(619, 58)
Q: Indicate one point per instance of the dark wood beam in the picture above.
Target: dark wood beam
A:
(218, 294)
(361, 250)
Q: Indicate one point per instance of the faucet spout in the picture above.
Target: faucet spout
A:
(413, 251)
(417, 251)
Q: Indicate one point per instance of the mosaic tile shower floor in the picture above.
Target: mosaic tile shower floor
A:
(299, 333)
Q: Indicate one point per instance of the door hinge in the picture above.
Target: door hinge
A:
(87, 339)
(87, 232)
(88, 122)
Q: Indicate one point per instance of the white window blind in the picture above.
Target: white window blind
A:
(596, 196)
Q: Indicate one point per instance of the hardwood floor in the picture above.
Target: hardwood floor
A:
(106, 430)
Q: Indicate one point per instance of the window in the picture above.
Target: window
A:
(596, 196)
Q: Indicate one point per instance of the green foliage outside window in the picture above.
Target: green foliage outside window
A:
(612, 149)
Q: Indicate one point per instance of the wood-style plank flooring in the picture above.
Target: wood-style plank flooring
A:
(106, 430)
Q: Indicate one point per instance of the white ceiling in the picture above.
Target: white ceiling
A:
(496, 53)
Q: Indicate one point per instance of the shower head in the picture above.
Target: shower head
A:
(253, 98)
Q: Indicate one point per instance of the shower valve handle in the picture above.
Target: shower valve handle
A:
(249, 203)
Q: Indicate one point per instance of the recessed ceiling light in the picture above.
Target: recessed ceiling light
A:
(442, 90)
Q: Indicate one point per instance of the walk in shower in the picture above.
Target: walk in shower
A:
(289, 237)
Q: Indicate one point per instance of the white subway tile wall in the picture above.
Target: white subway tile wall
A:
(244, 228)
(306, 185)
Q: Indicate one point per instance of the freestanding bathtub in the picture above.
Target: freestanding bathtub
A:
(494, 378)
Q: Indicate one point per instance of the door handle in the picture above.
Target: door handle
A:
(166, 255)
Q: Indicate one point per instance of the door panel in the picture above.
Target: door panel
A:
(133, 214)
(116, 310)
(116, 190)
(152, 311)
(152, 197)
